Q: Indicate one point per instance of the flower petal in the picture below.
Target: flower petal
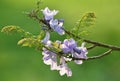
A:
(48, 14)
(47, 37)
(78, 61)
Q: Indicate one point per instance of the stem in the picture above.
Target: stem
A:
(100, 55)
(91, 47)
(95, 57)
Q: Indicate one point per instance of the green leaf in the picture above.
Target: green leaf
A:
(81, 28)
(16, 29)
(30, 42)
(87, 20)
(12, 29)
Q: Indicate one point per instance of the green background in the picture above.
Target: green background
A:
(25, 64)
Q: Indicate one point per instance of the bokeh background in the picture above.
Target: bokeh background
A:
(25, 64)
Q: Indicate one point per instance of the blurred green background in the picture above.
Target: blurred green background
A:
(25, 64)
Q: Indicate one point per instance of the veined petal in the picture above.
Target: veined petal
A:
(65, 48)
(68, 45)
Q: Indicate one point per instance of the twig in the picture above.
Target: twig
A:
(95, 43)
(91, 47)
(95, 57)
(100, 55)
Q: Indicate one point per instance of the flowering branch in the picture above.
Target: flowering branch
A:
(94, 43)
(67, 50)
(73, 35)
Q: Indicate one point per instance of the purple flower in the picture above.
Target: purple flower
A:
(63, 68)
(68, 45)
(57, 25)
(80, 52)
(50, 58)
(48, 14)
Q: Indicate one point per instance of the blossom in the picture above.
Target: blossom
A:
(50, 58)
(48, 14)
(80, 52)
(70, 46)
(57, 25)
(64, 69)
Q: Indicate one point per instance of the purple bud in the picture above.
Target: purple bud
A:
(46, 39)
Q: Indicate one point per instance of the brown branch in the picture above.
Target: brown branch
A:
(95, 57)
(100, 55)
(91, 47)
(94, 42)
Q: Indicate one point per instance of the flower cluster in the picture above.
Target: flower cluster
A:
(68, 47)
(55, 24)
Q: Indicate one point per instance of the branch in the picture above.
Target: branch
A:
(100, 56)
(94, 42)
(95, 57)
(73, 35)
(91, 47)
(89, 58)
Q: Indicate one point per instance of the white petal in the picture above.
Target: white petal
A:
(54, 66)
(78, 61)
(48, 44)
(83, 44)
(69, 73)
(62, 71)
(47, 62)
(68, 59)
(61, 24)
